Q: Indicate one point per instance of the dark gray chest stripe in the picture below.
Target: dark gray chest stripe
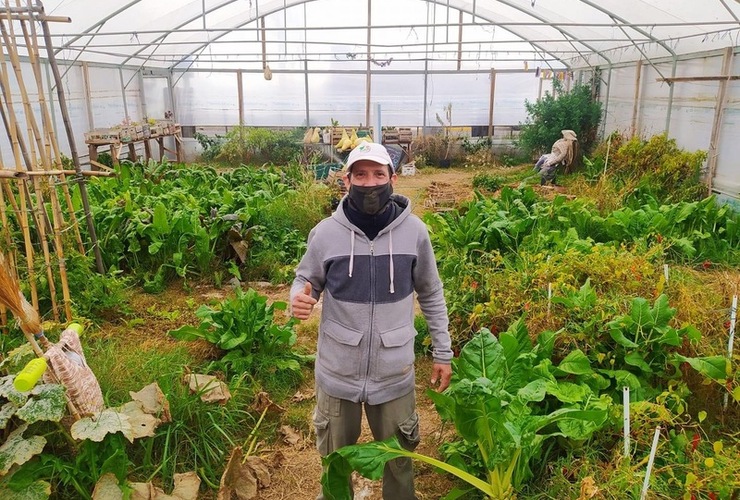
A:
(358, 287)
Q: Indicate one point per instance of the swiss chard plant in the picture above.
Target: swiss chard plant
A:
(646, 345)
(506, 397)
(243, 327)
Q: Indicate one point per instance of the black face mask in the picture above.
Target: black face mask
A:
(370, 200)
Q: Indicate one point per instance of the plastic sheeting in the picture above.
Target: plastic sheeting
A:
(333, 33)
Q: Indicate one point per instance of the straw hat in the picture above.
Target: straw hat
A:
(569, 135)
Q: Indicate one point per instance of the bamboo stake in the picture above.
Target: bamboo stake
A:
(9, 244)
(71, 139)
(33, 53)
(22, 216)
(22, 145)
(86, 173)
(12, 174)
(32, 131)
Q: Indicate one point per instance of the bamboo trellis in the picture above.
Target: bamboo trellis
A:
(33, 184)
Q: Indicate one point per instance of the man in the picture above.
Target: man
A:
(563, 152)
(368, 259)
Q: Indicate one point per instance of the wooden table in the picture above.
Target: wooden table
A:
(116, 147)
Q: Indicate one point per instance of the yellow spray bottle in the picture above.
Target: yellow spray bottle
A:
(29, 375)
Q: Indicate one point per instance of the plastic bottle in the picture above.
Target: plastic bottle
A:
(29, 375)
(76, 327)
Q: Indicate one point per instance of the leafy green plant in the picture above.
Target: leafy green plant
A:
(488, 182)
(507, 398)
(243, 327)
(645, 345)
(575, 110)
(211, 146)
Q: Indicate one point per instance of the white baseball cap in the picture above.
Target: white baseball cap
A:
(371, 151)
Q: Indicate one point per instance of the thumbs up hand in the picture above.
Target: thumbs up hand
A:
(303, 303)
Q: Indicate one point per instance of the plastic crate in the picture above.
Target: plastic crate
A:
(321, 171)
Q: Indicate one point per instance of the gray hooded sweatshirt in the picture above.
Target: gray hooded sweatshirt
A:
(366, 336)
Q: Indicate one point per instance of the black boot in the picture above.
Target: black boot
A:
(543, 181)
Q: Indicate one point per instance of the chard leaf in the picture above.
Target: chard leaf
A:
(576, 363)
(624, 378)
(369, 459)
(716, 368)
(483, 356)
(187, 332)
(568, 392)
(618, 336)
(534, 391)
(160, 219)
(670, 337)
(661, 313)
(635, 359)
(641, 313)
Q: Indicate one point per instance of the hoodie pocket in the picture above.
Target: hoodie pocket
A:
(338, 349)
(394, 357)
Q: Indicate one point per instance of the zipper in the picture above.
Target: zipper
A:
(372, 319)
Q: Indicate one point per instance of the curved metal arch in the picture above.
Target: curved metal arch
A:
(634, 27)
(157, 41)
(286, 4)
(566, 34)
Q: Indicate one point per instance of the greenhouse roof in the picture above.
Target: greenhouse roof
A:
(387, 35)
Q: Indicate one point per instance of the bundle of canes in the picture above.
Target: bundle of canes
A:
(28, 318)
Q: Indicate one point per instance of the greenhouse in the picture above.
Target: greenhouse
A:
(168, 171)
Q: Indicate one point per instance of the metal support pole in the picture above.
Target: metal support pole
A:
(636, 103)
(490, 102)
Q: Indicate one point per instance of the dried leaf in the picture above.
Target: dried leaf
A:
(186, 486)
(210, 388)
(262, 401)
(19, 450)
(588, 488)
(107, 488)
(237, 482)
(108, 421)
(142, 424)
(154, 401)
(291, 436)
(142, 491)
(300, 396)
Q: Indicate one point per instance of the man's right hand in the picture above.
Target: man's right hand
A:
(303, 303)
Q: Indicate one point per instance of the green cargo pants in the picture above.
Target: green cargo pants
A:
(337, 423)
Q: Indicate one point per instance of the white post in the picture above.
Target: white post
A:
(653, 448)
(377, 130)
(665, 272)
(731, 341)
(549, 297)
(626, 418)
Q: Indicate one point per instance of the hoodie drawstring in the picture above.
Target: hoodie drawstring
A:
(351, 253)
(390, 253)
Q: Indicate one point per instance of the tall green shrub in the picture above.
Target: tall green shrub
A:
(576, 110)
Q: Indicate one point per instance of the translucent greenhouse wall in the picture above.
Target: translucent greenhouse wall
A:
(692, 109)
(210, 99)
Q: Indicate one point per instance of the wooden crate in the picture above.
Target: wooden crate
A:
(404, 134)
